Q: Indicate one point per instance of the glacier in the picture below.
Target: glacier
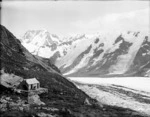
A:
(126, 92)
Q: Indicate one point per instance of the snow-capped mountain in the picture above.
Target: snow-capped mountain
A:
(40, 42)
(100, 54)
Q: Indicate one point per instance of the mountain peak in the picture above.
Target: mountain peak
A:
(101, 53)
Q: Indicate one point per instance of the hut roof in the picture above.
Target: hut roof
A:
(31, 81)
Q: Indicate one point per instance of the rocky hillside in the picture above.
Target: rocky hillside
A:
(101, 54)
(16, 60)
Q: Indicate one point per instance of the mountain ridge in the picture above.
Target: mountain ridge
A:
(101, 54)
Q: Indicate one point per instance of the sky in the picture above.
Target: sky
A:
(74, 17)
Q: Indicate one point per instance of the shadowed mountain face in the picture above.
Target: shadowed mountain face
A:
(105, 55)
(142, 59)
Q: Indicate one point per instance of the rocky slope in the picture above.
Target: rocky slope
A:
(63, 99)
(101, 54)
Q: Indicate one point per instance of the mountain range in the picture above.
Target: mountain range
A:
(101, 54)
(63, 99)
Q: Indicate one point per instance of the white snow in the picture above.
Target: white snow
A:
(122, 65)
(36, 43)
(138, 83)
(123, 61)
(115, 47)
(45, 52)
(81, 42)
(148, 73)
(73, 53)
(116, 99)
(112, 94)
(85, 59)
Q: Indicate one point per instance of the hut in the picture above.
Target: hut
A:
(31, 84)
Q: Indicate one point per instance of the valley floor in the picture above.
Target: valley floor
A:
(131, 92)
